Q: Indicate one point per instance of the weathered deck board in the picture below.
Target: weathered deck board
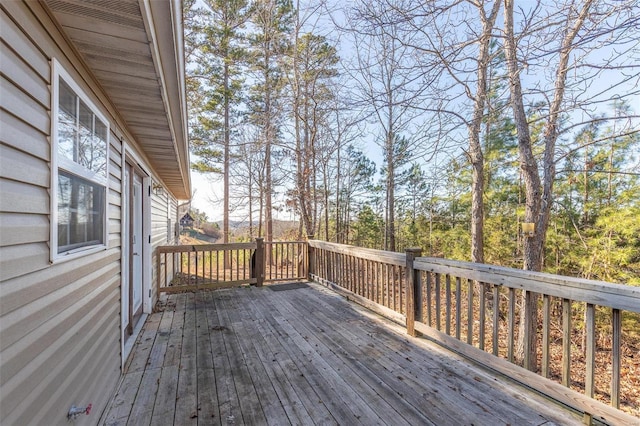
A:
(256, 337)
(304, 356)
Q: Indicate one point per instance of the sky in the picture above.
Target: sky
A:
(208, 187)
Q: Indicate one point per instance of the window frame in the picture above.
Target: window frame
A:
(72, 168)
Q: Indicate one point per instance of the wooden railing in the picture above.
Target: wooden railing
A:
(373, 278)
(206, 266)
(210, 266)
(474, 309)
(285, 261)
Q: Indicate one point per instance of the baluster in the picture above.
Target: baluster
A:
(511, 323)
(437, 296)
(428, 287)
(470, 312)
(496, 318)
(590, 330)
(482, 314)
(616, 330)
(458, 306)
(447, 296)
(546, 324)
(566, 342)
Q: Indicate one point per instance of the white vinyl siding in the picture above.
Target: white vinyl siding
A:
(59, 323)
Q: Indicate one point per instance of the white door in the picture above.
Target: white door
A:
(133, 247)
(136, 244)
(126, 250)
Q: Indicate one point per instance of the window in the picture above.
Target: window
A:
(79, 158)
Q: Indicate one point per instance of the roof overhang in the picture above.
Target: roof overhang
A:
(135, 50)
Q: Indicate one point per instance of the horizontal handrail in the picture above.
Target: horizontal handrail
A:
(206, 247)
(387, 257)
(599, 293)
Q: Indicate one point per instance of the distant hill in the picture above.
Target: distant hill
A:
(195, 236)
(282, 229)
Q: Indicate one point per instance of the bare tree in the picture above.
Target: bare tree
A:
(387, 87)
(563, 38)
(314, 62)
(451, 44)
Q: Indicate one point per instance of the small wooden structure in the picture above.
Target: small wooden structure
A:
(186, 221)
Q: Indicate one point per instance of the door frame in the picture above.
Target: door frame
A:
(129, 156)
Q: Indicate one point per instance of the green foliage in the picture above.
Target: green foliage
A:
(368, 229)
(594, 230)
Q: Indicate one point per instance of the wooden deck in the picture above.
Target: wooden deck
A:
(304, 356)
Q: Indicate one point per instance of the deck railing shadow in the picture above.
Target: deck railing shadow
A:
(472, 309)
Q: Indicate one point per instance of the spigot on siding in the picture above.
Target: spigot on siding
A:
(74, 411)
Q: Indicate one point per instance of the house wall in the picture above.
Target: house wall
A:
(59, 323)
(164, 209)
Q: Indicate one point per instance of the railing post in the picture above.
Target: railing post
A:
(259, 265)
(310, 258)
(412, 288)
(158, 271)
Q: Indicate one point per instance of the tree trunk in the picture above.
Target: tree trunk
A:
(526, 345)
(538, 195)
(268, 189)
(227, 133)
(475, 148)
(390, 228)
(585, 193)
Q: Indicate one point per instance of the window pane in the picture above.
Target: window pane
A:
(67, 121)
(80, 212)
(82, 137)
(99, 149)
(85, 133)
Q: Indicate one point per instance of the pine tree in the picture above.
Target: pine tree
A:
(269, 43)
(217, 41)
